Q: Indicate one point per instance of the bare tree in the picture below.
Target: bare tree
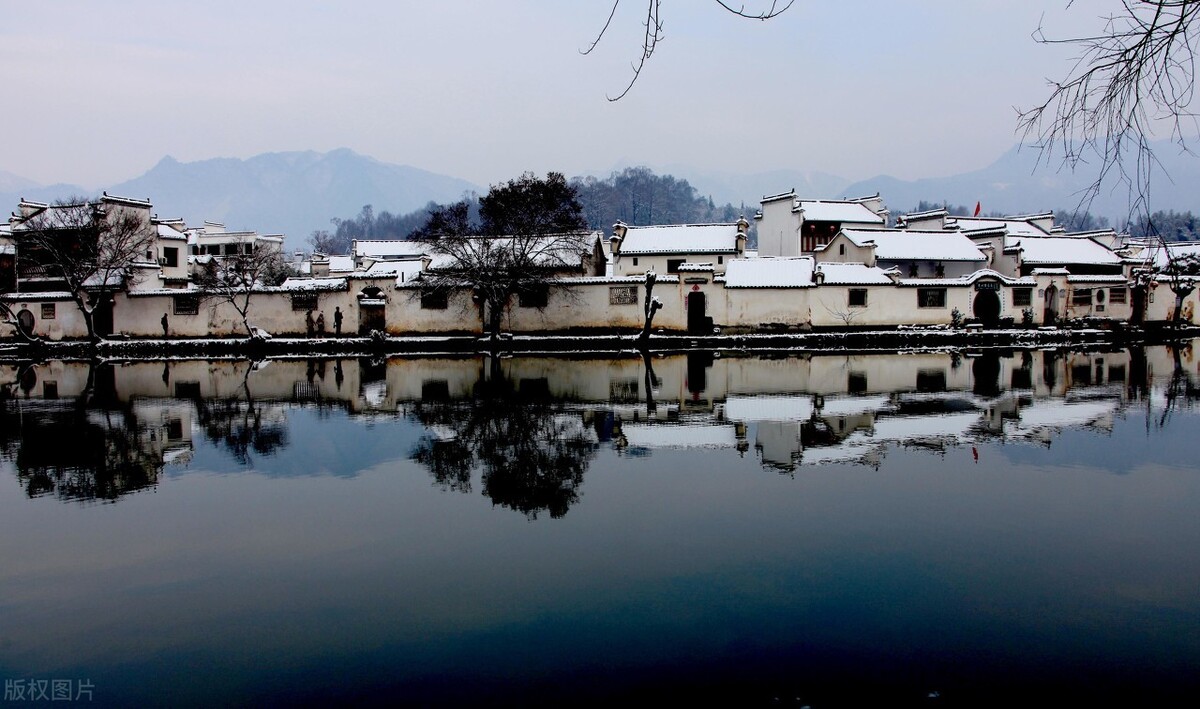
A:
(1131, 80)
(653, 30)
(93, 247)
(533, 232)
(846, 314)
(235, 279)
(1180, 274)
(324, 242)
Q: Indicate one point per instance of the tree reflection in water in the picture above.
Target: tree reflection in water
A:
(531, 451)
(240, 426)
(77, 450)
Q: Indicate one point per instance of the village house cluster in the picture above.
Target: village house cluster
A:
(819, 264)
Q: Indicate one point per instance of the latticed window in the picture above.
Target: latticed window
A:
(304, 301)
(186, 304)
(931, 297)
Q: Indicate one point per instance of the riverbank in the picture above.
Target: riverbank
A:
(835, 340)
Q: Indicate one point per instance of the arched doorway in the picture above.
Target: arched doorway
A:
(372, 311)
(25, 320)
(1050, 309)
(987, 307)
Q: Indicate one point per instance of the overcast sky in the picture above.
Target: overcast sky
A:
(484, 90)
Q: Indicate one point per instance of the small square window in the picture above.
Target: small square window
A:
(858, 298)
(673, 264)
(1117, 295)
(1081, 296)
(48, 311)
(635, 260)
(434, 300)
(534, 298)
(1022, 296)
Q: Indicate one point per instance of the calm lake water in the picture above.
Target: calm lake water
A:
(929, 529)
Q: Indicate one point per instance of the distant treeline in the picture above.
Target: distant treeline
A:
(634, 195)
(1169, 224)
(639, 197)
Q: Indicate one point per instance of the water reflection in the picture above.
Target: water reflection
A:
(523, 430)
(533, 450)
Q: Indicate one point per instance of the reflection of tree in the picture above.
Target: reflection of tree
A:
(240, 426)
(1180, 389)
(75, 453)
(531, 452)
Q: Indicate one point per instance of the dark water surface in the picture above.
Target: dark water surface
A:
(929, 529)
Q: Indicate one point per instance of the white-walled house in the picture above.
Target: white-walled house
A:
(791, 226)
(663, 249)
(914, 254)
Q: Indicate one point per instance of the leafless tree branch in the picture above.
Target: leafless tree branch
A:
(652, 32)
(1129, 79)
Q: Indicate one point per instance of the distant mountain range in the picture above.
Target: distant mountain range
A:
(296, 192)
(1016, 184)
(291, 193)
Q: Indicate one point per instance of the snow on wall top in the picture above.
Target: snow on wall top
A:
(769, 273)
(680, 239)
(837, 211)
(909, 245)
(853, 274)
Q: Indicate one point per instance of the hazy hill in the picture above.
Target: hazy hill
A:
(751, 188)
(293, 193)
(1016, 184)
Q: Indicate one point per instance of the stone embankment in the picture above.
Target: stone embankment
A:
(566, 343)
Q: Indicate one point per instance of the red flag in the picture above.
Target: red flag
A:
(976, 209)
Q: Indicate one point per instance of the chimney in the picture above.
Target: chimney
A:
(618, 235)
(743, 227)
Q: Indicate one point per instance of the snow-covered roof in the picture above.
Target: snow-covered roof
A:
(1013, 226)
(844, 211)
(911, 245)
(1056, 413)
(836, 274)
(390, 248)
(768, 408)
(341, 264)
(852, 405)
(1162, 256)
(1063, 249)
(679, 435)
(8, 249)
(166, 231)
(769, 273)
(906, 429)
(402, 271)
(680, 239)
